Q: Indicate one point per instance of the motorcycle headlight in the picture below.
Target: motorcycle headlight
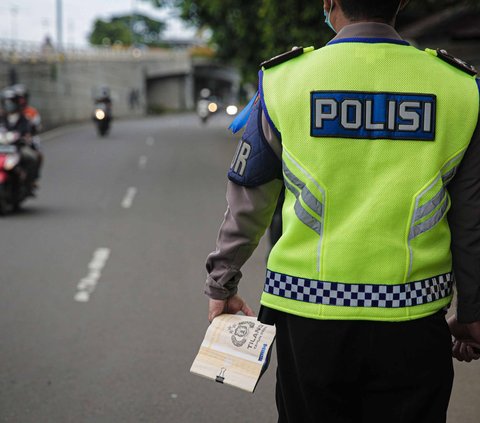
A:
(232, 110)
(212, 107)
(99, 114)
(11, 161)
(9, 137)
(12, 137)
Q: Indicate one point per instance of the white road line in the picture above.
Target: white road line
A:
(129, 197)
(87, 285)
(142, 162)
(150, 141)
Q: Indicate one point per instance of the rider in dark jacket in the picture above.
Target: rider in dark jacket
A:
(12, 119)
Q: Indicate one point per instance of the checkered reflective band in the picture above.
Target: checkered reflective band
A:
(359, 295)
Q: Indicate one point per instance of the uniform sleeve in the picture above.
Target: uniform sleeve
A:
(464, 221)
(249, 212)
(248, 215)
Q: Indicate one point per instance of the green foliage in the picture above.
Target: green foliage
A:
(127, 30)
(110, 33)
(247, 32)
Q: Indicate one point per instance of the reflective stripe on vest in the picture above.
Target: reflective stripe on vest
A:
(439, 202)
(447, 174)
(299, 189)
(359, 295)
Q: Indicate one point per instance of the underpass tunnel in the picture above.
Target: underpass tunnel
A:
(181, 91)
(222, 81)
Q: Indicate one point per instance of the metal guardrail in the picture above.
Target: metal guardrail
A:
(16, 51)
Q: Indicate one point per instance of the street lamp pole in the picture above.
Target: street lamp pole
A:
(59, 25)
(13, 23)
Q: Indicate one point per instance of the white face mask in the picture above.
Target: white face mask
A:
(13, 118)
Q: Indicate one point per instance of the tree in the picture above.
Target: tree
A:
(110, 33)
(127, 30)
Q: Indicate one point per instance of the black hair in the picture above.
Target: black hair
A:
(378, 10)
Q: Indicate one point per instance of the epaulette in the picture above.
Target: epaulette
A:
(285, 57)
(454, 61)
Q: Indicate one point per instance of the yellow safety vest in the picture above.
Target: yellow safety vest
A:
(372, 133)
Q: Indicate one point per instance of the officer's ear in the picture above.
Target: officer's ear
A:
(327, 5)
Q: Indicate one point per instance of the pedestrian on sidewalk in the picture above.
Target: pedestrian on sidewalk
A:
(378, 146)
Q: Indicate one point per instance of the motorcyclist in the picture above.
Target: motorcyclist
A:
(12, 119)
(33, 116)
(30, 112)
(206, 104)
(103, 97)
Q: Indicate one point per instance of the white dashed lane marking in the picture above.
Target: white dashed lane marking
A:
(150, 141)
(87, 285)
(142, 162)
(129, 197)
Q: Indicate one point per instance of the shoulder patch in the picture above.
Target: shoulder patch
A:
(254, 163)
(285, 57)
(454, 61)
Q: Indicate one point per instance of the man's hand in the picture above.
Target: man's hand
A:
(466, 345)
(465, 351)
(231, 306)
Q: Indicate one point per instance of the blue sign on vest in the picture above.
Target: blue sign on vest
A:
(364, 115)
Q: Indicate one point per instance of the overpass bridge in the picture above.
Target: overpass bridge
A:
(62, 84)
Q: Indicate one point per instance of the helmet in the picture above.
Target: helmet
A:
(10, 100)
(20, 89)
(205, 93)
(22, 93)
(104, 91)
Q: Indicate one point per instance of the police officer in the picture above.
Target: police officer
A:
(378, 146)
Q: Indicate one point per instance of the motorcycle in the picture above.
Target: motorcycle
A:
(208, 107)
(101, 117)
(14, 188)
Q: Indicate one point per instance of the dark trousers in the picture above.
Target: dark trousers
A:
(363, 372)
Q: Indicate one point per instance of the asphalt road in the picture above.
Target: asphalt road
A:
(101, 283)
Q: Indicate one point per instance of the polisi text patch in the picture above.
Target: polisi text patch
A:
(364, 115)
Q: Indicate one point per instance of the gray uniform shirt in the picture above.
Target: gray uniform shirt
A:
(250, 211)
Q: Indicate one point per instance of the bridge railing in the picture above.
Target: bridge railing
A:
(27, 51)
